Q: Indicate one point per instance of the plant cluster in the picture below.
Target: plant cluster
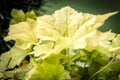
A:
(66, 45)
(6, 7)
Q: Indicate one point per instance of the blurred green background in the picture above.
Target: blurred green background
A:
(93, 7)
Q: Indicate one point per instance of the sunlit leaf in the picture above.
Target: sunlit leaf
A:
(22, 33)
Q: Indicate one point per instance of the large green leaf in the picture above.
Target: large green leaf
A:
(48, 70)
(67, 22)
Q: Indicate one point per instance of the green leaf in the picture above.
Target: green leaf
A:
(94, 68)
(17, 55)
(43, 48)
(101, 55)
(69, 23)
(4, 61)
(11, 59)
(18, 15)
(99, 39)
(23, 34)
(31, 15)
(21, 72)
(116, 44)
(112, 71)
(8, 74)
(47, 71)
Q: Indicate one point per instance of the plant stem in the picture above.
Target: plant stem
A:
(69, 58)
(102, 68)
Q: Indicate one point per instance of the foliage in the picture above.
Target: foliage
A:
(6, 6)
(66, 45)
